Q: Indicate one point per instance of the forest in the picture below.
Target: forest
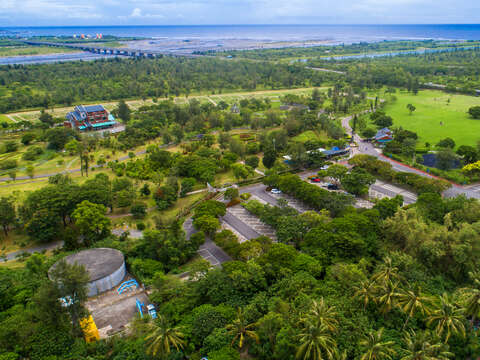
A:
(46, 85)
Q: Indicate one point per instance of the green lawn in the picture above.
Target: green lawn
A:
(310, 135)
(438, 115)
(32, 50)
(4, 118)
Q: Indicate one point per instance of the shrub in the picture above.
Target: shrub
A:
(245, 196)
(141, 226)
(228, 242)
(8, 164)
(138, 210)
(198, 238)
(32, 153)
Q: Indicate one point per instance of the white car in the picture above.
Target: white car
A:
(151, 311)
(275, 191)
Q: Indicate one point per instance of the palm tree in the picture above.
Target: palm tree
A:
(473, 303)
(240, 329)
(316, 341)
(324, 314)
(387, 272)
(375, 348)
(365, 292)
(163, 338)
(412, 301)
(387, 296)
(424, 347)
(447, 318)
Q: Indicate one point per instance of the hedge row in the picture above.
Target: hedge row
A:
(383, 170)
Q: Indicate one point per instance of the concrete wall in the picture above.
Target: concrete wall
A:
(101, 285)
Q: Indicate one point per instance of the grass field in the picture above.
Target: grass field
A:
(32, 50)
(310, 135)
(438, 115)
(230, 98)
(5, 118)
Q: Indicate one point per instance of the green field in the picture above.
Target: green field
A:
(32, 50)
(4, 118)
(310, 135)
(438, 115)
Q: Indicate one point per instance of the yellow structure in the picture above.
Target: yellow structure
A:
(90, 330)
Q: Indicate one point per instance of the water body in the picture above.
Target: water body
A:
(187, 39)
(334, 33)
(396, 53)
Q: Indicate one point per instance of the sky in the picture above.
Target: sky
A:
(201, 12)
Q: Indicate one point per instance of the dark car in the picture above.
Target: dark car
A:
(332, 187)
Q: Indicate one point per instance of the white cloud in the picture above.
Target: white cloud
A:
(137, 12)
(88, 12)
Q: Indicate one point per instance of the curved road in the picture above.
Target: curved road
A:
(368, 149)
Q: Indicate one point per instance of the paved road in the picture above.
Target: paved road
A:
(244, 230)
(39, 248)
(209, 250)
(368, 149)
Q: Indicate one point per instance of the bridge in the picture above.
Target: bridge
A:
(137, 53)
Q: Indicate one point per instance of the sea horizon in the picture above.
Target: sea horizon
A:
(338, 33)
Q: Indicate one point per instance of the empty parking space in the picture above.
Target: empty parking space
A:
(206, 255)
(251, 221)
(293, 202)
(381, 190)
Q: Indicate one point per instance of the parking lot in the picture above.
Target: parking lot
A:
(247, 226)
(382, 190)
(252, 221)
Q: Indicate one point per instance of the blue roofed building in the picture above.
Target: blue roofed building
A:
(90, 117)
(383, 135)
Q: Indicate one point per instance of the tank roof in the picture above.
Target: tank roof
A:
(99, 262)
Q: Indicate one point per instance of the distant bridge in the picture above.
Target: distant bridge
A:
(137, 53)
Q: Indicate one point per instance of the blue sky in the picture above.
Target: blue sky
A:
(171, 12)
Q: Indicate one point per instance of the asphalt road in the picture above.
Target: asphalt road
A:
(244, 230)
(368, 149)
(209, 250)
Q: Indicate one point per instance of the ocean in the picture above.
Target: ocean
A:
(268, 33)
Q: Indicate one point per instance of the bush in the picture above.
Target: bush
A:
(228, 241)
(245, 196)
(138, 210)
(225, 353)
(32, 153)
(141, 226)
(8, 164)
(198, 238)
(233, 202)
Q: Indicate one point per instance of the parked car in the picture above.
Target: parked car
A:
(324, 167)
(275, 191)
(151, 311)
(332, 186)
(316, 180)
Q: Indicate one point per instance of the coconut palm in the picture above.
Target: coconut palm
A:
(316, 341)
(412, 301)
(365, 292)
(473, 303)
(375, 348)
(424, 346)
(240, 329)
(163, 337)
(447, 318)
(386, 272)
(388, 294)
(325, 314)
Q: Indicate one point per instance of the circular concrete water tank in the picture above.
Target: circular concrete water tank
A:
(105, 266)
